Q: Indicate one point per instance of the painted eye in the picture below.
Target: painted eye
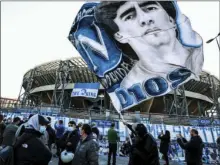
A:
(151, 8)
(129, 17)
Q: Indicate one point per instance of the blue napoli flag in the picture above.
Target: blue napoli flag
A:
(89, 90)
(137, 49)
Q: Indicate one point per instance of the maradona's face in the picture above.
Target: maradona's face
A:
(146, 21)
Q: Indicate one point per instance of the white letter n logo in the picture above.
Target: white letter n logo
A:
(98, 47)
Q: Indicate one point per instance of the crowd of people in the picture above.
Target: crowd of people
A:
(30, 143)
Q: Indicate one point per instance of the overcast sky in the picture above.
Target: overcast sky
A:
(33, 33)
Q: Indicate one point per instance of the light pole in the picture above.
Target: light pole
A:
(216, 102)
(101, 96)
(209, 41)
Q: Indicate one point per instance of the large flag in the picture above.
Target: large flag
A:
(138, 50)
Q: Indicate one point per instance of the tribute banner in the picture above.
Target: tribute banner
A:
(89, 90)
(138, 50)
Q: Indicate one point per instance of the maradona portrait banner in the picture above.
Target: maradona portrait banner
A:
(138, 50)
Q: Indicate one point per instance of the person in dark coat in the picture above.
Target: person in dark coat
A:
(9, 133)
(144, 147)
(60, 129)
(51, 134)
(6, 155)
(218, 141)
(87, 151)
(131, 154)
(164, 145)
(2, 128)
(218, 146)
(28, 148)
(69, 140)
(193, 148)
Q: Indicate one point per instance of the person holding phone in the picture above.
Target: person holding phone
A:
(164, 145)
(193, 148)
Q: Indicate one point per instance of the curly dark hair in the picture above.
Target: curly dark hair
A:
(106, 12)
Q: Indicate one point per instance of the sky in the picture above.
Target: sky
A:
(33, 33)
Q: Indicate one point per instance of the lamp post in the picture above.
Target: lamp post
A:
(215, 38)
(216, 102)
(101, 96)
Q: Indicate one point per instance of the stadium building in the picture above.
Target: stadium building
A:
(50, 85)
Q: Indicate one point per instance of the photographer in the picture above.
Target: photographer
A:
(164, 145)
(193, 148)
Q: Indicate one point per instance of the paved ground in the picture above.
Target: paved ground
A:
(120, 161)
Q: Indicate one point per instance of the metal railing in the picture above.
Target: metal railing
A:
(11, 105)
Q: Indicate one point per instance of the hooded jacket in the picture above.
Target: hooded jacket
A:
(28, 148)
(143, 150)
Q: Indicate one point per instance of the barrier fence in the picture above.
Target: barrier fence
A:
(209, 134)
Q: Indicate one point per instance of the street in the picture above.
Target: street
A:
(120, 161)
